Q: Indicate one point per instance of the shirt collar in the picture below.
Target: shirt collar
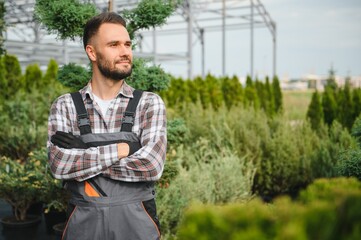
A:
(125, 90)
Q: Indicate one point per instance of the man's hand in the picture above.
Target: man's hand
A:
(67, 140)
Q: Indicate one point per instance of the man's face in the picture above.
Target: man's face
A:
(113, 50)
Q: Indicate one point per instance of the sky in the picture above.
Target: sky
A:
(312, 37)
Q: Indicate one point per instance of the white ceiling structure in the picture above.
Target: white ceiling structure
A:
(31, 44)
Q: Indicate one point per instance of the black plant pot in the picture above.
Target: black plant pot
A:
(52, 218)
(59, 228)
(14, 229)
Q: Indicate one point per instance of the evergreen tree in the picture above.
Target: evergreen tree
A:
(277, 94)
(51, 73)
(329, 105)
(231, 90)
(270, 105)
(314, 112)
(214, 89)
(33, 76)
(226, 92)
(193, 95)
(250, 94)
(345, 115)
(13, 76)
(203, 91)
(356, 99)
(261, 94)
(331, 80)
(237, 89)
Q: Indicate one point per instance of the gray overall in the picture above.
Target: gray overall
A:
(106, 209)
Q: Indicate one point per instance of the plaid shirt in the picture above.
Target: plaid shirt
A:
(149, 124)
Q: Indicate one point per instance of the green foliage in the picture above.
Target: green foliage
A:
(24, 115)
(350, 160)
(329, 105)
(356, 100)
(149, 13)
(2, 26)
(13, 76)
(219, 177)
(332, 142)
(335, 201)
(232, 91)
(66, 18)
(214, 89)
(250, 94)
(3, 80)
(345, 113)
(73, 76)
(51, 73)
(277, 94)
(33, 76)
(176, 135)
(149, 78)
(314, 113)
(356, 130)
(19, 131)
(350, 163)
(22, 184)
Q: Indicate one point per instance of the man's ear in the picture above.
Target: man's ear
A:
(90, 51)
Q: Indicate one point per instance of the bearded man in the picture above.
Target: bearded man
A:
(107, 142)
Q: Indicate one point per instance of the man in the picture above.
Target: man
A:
(108, 158)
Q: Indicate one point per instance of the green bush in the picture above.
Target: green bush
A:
(150, 78)
(349, 163)
(66, 18)
(328, 209)
(73, 76)
(209, 177)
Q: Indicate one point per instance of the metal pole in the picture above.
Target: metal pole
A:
(110, 6)
(190, 31)
(251, 71)
(203, 57)
(66, 54)
(154, 47)
(224, 37)
(274, 48)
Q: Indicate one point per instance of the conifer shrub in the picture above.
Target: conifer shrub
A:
(349, 163)
(148, 77)
(13, 77)
(327, 209)
(33, 76)
(209, 176)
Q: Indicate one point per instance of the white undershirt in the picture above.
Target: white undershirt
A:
(103, 104)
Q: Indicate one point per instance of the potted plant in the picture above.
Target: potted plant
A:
(55, 199)
(21, 185)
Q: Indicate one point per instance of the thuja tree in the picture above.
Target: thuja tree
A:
(329, 105)
(277, 94)
(345, 107)
(66, 18)
(13, 76)
(314, 113)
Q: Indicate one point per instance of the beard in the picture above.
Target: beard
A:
(105, 67)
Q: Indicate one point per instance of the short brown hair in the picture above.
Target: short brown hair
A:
(92, 26)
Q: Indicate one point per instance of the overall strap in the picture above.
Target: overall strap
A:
(83, 118)
(129, 114)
